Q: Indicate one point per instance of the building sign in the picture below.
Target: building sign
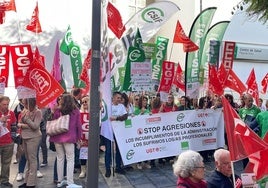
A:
(254, 52)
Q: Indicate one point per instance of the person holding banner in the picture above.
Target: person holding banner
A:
(143, 109)
(184, 104)
(222, 176)
(169, 106)
(190, 170)
(119, 113)
(83, 145)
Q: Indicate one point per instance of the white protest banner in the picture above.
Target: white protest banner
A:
(147, 137)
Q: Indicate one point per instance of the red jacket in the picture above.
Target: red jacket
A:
(6, 139)
(187, 183)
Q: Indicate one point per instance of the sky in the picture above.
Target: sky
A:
(56, 15)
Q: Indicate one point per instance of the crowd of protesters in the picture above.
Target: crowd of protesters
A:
(30, 133)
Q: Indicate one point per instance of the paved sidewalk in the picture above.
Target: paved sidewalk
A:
(158, 177)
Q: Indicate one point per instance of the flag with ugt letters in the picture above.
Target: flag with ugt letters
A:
(46, 87)
(22, 57)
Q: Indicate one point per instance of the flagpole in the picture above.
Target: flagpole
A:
(233, 173)
(94, 120)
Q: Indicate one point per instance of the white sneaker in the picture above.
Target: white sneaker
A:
(39, 174)
(19, 177)
(62, 183)
(74, 186)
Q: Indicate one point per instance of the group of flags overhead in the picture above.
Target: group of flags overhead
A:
(34, 24)
(244, 142)
(222, 78)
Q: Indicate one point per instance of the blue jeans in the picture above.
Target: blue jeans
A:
(22, 163)
(108, 155)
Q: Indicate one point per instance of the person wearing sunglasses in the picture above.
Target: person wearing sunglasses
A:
(190, 170)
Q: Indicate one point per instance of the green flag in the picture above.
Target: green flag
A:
(66, 41)
(211, 46)
(68, 47)
(197, 35)
(134, 55)
(161, 51)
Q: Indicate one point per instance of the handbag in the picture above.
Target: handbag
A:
(58, 126)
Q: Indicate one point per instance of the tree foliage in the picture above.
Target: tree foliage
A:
(259, 8)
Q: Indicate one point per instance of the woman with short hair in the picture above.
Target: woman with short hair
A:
(190, 170)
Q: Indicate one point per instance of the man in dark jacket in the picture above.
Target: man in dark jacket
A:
(222, 176)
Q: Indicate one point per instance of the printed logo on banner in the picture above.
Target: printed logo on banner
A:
(128, 123)
(140, 131)
(184, 145)
(40, 81)
(130, 154)
(180, 117)
(153, 120)
(209, 141)
(152, 15)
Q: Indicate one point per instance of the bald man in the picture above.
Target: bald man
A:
(222, 176)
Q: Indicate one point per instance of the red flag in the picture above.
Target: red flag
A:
(214, 82)
(46, 87)
(259, 163)
(265, 138)
(180, 37)
(4, 59)
(34, 24)
(264, 84)
(2, 15)
(115, 21)
(168, 69)
(22, 57)
(84, 73)
(253, 86)
(222, 75)
(251, 141)
(84, 120)
(178, 80)
(11, 6)
(236, 148)
(39, 58)
(233, 82)
(228, 54)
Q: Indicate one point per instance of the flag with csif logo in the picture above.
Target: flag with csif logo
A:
(46, 87)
